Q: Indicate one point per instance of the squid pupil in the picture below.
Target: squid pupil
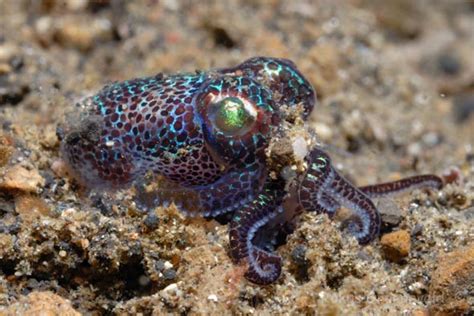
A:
(231, 114)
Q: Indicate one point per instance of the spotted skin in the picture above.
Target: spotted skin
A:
(205, 135)
(142, 125)
(287, 84)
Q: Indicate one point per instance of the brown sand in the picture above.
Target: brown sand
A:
(395, 87)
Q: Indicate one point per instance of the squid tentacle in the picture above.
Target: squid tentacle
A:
(406, 184)
(263, 267)
(323, 189)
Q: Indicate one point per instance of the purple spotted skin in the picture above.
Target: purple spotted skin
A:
(205, 134)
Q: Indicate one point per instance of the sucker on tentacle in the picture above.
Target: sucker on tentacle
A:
(207, 137)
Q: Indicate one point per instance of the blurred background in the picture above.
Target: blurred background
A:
(401, 59)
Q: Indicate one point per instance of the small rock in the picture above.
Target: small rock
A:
(323, 131)
(74, 31)
(49, 139)
(168, 265)
(169, 274)
(82, 33)
(301, 263)
(417, 230)
(12, 92)
(144, 280)
(221, 36)
(31, 207)
(452, 283)
(390, 214)
(303, 302)
(59, 168)
(8, 51)
(364, 256)
(298, 255)
(20, 178)
(77, 5)
(396, 245)
(403, 18)
(42, 303)
(420, 312)
(212, 298)
(417, 288)
(102, 205)
(9, 58)
(449, 64)
(17, 62)
(469, 213)
(44, 30)
(463, 107)
(160, 265)
(5, 69)
(172, 288)
(431, 139)
(151, 221)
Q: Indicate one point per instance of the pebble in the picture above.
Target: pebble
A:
(74, 31)
(417, 230)
(8, 51)
(463, 107)
(12, 92)
(31, 207)
(390, 213)
(400, 18)
(302, 264)
(431, 139)
(420, 312)
(41, 303)
(172, 288)
(143, 280)
(78, 5)
(151, 221)
(449, 64)
(323, 131)
(213, 298)
(20, 178)
(49, 139)
(5, 69)
(396, 245)
(469, 213)
(160, 265)
(168, 265)
(298, 255)
(452, 283)
(169, 274)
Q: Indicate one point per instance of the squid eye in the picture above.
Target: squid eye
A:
(232, 115)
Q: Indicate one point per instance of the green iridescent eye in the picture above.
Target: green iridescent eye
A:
(233, 115)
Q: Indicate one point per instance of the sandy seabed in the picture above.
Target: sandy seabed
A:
(395, 85)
